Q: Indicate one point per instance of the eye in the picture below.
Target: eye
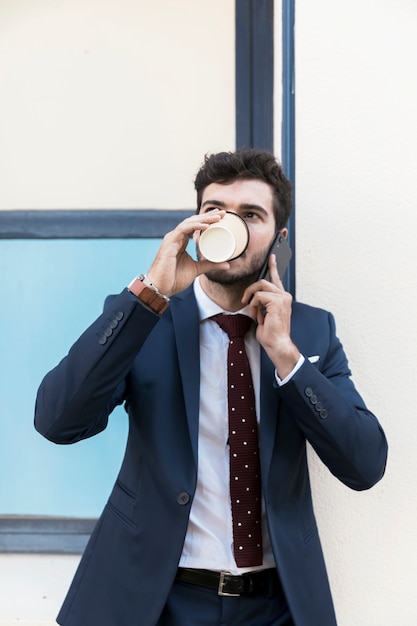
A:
(250, 215)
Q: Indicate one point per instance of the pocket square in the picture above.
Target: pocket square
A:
(314, 359)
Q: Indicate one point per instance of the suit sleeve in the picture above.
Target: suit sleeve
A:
(76, 398)
(334, 418)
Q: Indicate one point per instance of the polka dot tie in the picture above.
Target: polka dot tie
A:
(245, 473)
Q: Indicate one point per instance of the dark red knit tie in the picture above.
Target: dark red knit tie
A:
(245, 472)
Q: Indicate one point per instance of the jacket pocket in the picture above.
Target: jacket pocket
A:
(122, 503)
(121, 517)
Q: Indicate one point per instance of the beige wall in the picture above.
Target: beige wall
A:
(356, 123)
(93, 93)
(112, 104)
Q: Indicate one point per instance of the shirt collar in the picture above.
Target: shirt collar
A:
(207, 307)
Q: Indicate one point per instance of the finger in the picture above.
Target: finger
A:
(256, 306)
(260, 285)
(185, 230)
(201, 221)
(273, 271)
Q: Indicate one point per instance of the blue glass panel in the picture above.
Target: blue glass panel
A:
(51, 290)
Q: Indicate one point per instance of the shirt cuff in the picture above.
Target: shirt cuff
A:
(285, 380)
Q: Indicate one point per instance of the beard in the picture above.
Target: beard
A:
(240, 278)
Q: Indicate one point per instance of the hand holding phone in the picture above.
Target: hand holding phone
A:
(283, 254)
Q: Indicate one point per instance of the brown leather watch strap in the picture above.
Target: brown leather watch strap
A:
(148, 295)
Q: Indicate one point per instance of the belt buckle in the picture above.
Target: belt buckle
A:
(220, 591)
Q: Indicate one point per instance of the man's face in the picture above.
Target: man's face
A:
(253, 201)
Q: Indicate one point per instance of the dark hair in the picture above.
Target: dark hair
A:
(247, 163)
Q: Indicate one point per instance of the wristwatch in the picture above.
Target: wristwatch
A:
(144, 289)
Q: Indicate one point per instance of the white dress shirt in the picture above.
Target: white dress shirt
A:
(209, 539)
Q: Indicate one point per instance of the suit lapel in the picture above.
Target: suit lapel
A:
(186, 325)
(269, 404)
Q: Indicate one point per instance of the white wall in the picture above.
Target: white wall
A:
(92, 93)
(112, 104)
(356, 94)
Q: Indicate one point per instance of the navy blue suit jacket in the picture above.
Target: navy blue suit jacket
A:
(151, 363)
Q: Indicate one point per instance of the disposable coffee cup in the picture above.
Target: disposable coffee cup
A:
(225, 240)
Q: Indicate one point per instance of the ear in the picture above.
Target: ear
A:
(284, 231)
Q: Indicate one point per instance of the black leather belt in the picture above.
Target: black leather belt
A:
(249, 584)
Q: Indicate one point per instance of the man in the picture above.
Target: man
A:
(164, 551)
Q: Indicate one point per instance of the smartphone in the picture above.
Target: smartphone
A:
(283, 254)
